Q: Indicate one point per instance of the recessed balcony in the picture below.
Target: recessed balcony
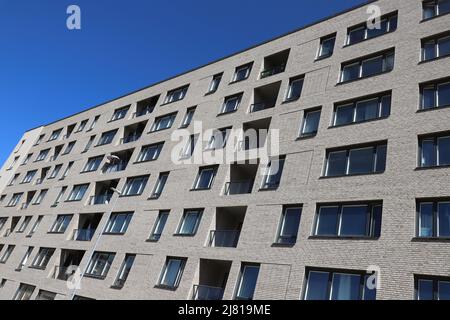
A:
(275, 64)
(227, 227)
(265, 97)
(212, 279)
(87, 225)
(242, 178)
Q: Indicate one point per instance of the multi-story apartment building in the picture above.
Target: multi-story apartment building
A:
(362, 185)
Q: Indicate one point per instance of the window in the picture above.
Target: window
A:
(124, 270)
(35, 226)
(42, 258)
(82, 125)
(188, 117)
(289, 224)
(93, 164)
(78, 192)
(107, 138)
(176, 94)
(435, 47)
(273, 174)
(242, 72)
(433, 219)
(362, 160)
(150, 152)
(13, 163)
(362, 109)
(435, 8)
(55, 135)
(160, 184)
(231, 103)
(326, 47)
(247, 281)
(172, 273)
(118, 223)
(60, 195)
(2, 224)
(27, 159)
(7, 253)
(434, 151)
(349, 220)
(189, 222)
(205, 178)
(99, 265)
(322, 284)
(432, 288)
(135, 186)
(189, 148)
(25, 258)
(39, 140)
(89, 143)
(40, 197)
(24, 292)
(388, 23)
(120, 113)
(29, 176)
(24, 225)
(94, 123)
(46, 295)
(366, 67)
(13, 180)
(55, 171)
(61, 223)
(215, 82)
(159, 225)
(310, 124)
(15, 200)
(295, 88)
(66, 172)
(163, 122)
(435, 95)
(69, 147)
(218, 139)
(42, 155)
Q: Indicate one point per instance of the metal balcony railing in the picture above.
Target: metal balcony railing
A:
(143, 112)
(201, 292)
(63, 273)
(238, 187)
(83, 234)
(100, 199)
(130, 138)
(115, 167)
(261, 106)
(224, 238)
(272, 71)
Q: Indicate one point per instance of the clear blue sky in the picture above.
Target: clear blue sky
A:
(48, 72)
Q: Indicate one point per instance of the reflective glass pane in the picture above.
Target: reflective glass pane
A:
(426, 220)
(444, 95)
(247, 286)
(425, 290)
(444, 151)
(429, 50)
(337, 163)
(354, 221)
(356, 35)
(428, 153)
(367, 110)
(327, 222)
(345, 287)
(444, 219)
(350, 72)
(444, 46)
(311, 124)
(317, 286)
(372, 66)
(344, 115)
(444, 290)
(361, 161)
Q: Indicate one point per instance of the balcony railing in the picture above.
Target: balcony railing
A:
(270, 72)
(115, 167)
(238, 187)
(63, 273)
(130, 138)
(261, 106)
(83, 234)
(201, 292)
(100, 199)
(143, 112)
(224, 238)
